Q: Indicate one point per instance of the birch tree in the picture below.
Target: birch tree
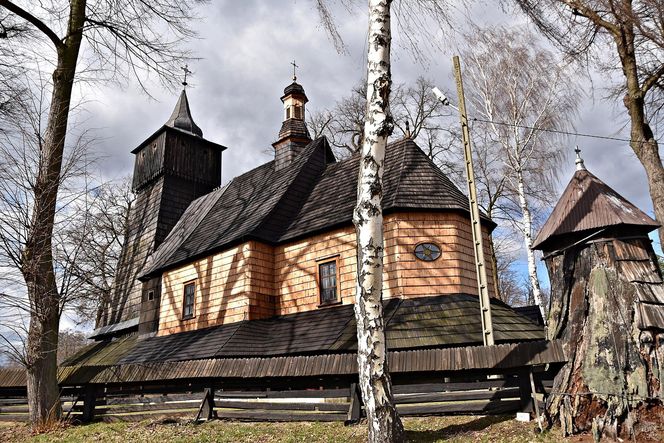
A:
(375, 384)
(626, 38)
(518, 90)
(114, 38)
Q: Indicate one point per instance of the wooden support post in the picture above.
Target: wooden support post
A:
(89, 402)
(525, 391)
(206, 411)
(475, 222)
(355, 408)
(534, 395)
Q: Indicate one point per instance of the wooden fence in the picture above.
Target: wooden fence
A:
(504, 395)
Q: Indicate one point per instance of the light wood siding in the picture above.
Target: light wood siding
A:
(254, 280)
(296, 269)
(453, 272)
(405, 276)
(231, 286)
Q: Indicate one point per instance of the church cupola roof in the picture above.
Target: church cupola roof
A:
(294, 88)
(293, 135)
(181, 117)
(588, 205)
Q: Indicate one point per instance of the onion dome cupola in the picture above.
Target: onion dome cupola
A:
(293, 135)
(590, 209)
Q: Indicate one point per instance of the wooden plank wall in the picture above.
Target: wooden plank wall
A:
(231, 286)
(405, 276)
(254, 280)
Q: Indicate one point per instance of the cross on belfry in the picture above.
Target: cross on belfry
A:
(294, 66)
(186, 70)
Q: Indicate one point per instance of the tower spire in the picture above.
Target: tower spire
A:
(579, 161)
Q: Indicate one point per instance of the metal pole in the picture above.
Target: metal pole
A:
(476, 227)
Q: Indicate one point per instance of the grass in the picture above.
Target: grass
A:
(493, 429)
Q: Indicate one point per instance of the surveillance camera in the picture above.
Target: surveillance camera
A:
(440, 96)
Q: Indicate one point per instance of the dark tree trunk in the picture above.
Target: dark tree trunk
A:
(643, 141)
(37, 263)
(612, 357)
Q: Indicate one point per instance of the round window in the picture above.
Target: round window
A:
(427, 251)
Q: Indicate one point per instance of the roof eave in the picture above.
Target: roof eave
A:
(179, 131)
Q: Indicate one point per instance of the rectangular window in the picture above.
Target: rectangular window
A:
(151, 295)
(189, 294)
(327, 282)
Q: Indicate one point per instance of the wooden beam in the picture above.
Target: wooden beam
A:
(355, 408)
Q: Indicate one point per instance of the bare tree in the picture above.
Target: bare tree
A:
(115, 38)
(416, 114)
(624, 37)
(518, 89)
(343, 125)
(422, 117)
(88, 249)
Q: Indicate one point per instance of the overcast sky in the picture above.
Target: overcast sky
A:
(245, 50)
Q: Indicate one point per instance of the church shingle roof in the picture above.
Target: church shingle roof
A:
(312, 194)
(588, 204)
(425, 322)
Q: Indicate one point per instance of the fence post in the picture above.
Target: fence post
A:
(89, 401)
(206, 411)
(354, 410)
(525, 391)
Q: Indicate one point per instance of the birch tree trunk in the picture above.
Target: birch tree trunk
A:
(527, 225)
(382, 417)
(37, 260)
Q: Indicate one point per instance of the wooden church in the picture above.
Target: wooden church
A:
(275, 247)
(251, 284)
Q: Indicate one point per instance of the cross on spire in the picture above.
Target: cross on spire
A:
(579, 161)
(294, 66)
(186, 70)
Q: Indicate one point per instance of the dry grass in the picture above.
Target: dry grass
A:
(431, 429)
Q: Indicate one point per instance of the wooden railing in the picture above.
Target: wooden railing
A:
(504, 395)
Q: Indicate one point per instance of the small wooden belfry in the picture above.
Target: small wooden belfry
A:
(607, 307)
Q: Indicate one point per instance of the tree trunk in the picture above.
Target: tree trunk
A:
(383, 420)
(37, 260)
(613, 365)
(643, 142)
(527, 223)
(646, 149)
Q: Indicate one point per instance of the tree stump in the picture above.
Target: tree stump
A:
(612, 343)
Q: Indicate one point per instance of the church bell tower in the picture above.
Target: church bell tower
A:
(172, 167)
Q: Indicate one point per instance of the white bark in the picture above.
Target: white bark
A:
(527, 226)
(383, 420)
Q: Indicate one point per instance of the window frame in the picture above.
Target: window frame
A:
(184, 300)
(429, 242)
(150, 295)
(323, 261)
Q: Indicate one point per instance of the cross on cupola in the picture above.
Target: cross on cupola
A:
(294, 66)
